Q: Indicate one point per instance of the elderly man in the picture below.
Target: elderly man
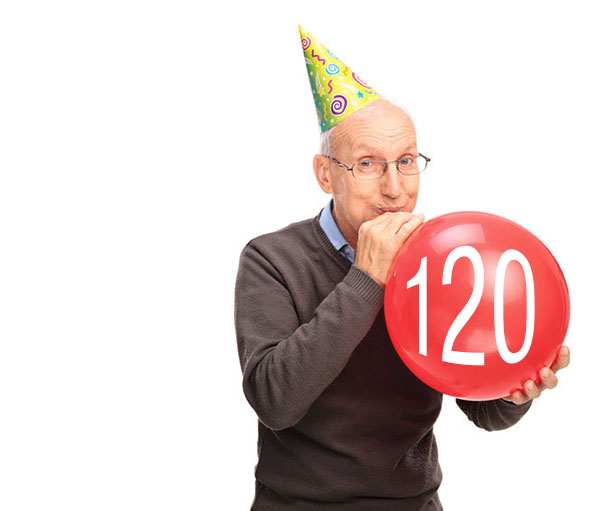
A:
(343, 424)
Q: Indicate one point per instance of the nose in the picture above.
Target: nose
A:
(392, 182)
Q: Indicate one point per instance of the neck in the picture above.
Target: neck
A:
(345, 229)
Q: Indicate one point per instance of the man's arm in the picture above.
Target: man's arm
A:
(287, 365)
(493, 415)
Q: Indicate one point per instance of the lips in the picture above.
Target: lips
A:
(390, 210)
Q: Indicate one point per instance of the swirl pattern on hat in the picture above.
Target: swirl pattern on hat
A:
(338, 91)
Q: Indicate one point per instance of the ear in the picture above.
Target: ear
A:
(322, 168)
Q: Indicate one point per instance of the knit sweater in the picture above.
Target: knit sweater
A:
(343, 424)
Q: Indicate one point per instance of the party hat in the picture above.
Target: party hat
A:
(338, 92)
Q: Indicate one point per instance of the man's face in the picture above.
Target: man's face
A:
(381, 131)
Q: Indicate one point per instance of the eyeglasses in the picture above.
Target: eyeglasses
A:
(367, 170)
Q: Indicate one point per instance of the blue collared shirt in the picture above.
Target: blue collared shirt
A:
(334, 234)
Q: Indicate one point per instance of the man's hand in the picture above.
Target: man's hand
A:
(380, 239)
(547, 377)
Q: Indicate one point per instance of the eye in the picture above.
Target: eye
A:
(365, 164)
(406, 161)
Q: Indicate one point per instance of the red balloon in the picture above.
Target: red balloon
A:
(476, 305)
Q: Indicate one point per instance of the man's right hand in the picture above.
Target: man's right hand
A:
(380, 239)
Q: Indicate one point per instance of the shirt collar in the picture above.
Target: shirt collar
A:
(333, 232)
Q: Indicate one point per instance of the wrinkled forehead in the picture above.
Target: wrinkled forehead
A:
(383, 147)
(385, 131)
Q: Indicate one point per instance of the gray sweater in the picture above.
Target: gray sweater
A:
(343, 424)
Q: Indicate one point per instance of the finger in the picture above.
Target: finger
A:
(532, 391)
(382, 223)
(377, 224)
(381, 219)
(390, 223)
(563, 359)
(548, 379)
(407, 227)
(518, 398)
(394, 221)
(388, 217)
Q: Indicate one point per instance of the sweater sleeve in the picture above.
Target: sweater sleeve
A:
(287, 365)
(493, 415)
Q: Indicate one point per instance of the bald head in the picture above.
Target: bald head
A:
(379, 113)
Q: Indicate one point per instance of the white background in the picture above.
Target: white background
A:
(142, 144)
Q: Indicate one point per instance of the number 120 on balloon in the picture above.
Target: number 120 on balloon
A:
(475, 305)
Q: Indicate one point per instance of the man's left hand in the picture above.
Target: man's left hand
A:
(547, 380)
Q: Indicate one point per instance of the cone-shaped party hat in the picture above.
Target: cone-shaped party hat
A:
(338, 92)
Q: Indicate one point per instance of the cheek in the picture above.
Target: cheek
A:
(412, 188)
(340, 185)
(357, 200)
(366, 199)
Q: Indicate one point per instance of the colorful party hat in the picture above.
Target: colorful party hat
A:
(338, 92)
